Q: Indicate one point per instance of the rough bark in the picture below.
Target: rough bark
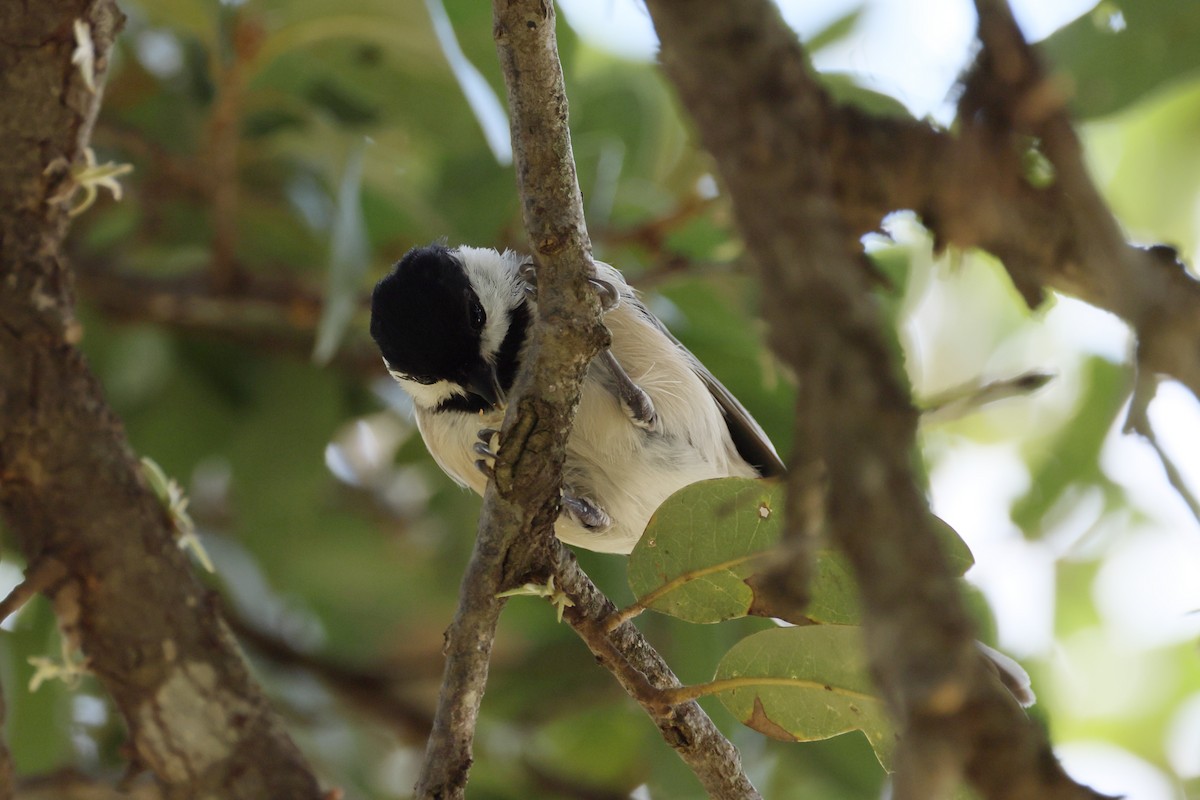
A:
(71, 489)
(970, 189)
(645, 676)
(744, 78)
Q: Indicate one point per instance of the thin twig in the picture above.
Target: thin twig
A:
(372, 691)
(652, 234)
(1138, 421)
(39, 577)
(270, 315)
(648, 679)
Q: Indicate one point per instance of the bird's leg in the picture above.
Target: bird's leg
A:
(610, 298)
(633, 398)
(586, 513)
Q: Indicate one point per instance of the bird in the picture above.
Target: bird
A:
(453, 326)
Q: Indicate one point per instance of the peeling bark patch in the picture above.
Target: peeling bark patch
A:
(191, 693)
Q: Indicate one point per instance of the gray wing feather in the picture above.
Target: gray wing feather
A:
(748, 436)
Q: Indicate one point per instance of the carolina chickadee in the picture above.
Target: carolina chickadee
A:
(452, 326)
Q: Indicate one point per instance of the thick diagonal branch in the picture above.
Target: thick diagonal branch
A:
(71, 488)
(744, 79)
(970, 189)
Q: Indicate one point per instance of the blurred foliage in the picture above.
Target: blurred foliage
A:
(311, 143)
(1125, 50)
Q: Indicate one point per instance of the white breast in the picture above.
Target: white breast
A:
(624, 469)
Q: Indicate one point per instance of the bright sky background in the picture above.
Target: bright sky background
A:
(910, 49)
(1147, 591)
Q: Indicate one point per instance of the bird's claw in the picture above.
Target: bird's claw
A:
(488, 444)
(527, 272)
(610, 297)
(587, 514)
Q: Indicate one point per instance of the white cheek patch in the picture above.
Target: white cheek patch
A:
(432, 395)
(494, 278)
(492, 336)
(427, 395)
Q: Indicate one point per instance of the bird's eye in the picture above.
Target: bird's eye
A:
(424, 380)
(478, 317)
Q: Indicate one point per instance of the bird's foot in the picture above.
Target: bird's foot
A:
(610, 298)
(488, 444)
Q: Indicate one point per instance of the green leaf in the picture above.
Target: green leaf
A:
(835, 31)
(847, 91)
(1122, 51)
(349, 257)
(1145, 160)
(701, 546)
(953, 547)
(701, 552)
(802, 684)
(1071, 457)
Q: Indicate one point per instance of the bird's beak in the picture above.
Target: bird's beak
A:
(482, 382)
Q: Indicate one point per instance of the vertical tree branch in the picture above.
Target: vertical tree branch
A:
(743, 77)
(224, 137)
(71, 489)
(515, 542)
